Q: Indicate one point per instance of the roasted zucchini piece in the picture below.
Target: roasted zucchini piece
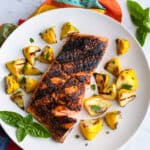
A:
(18, 99)
(101, 81)
(109, 92)
(28, 84)
(125, 96)
(47, 55)
(49, 35)
(90, 128)
(127, 80)
(30, 70)
(96, 105)
(30, 52)
(113, 66)
(15, 67)
(112, 118)
(67, 29)
(122, 46)
(11, 84)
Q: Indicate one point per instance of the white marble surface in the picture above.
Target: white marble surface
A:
(12, 10)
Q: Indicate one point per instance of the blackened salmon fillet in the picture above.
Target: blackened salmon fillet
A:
(58, 97)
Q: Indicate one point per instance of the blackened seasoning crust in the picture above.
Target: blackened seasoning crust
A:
(58, 98)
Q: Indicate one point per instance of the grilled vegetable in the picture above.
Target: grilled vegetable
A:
(30, 70)
(113, 66)
(15, 67)
(101, 81)
(67, 29)
(18, 99)
(125, 96)
(90, 128)
(112, 118)
(96, 105)
(11, 84)
(49, 35)
(127, 80)
(28, 84)
(30, 52)
(105, 90)
(47, 55)
(122, 46)
(109, 92)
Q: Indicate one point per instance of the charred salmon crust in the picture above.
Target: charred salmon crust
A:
(58, 97)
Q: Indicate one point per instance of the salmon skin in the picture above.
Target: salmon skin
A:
(58, 97)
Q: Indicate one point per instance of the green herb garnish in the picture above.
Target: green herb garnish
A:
(31, 40)
(93, 87)
(107, 132)
(126, 86)
(77, 136)
(24, 125)
(113, 62)
(140, 18)
(23, 80)
(95, 108)
(46, 56)
(95, 94)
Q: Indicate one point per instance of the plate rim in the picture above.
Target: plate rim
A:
(133, 135)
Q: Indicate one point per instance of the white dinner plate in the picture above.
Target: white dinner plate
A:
(90, 23)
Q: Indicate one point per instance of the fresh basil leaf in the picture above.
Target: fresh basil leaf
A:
(20, 134)
(136, 11)
(141, 35)
(10, 118)
(126, 86)
(37, 130)
(95, 108)
(21, 124)
(146, 21)
(28, 119)
(136, 21)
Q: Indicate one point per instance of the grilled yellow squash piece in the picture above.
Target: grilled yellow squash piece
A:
(47, 55)
(18, 99)
(67, 29)
(102, 81)
(28, 84)
(11, 84)
(30, 53)
(122, 46)
(113, 66)
(96, 105)
(90, 128)
(127, 79)
(49, 35)
(112, 118)
(15, 67)
(109, 92)
(125, 96)
(30, 70)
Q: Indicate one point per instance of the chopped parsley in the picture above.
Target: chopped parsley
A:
(126, 86)
(22, 80)
(77, 136)
(93, 86)
(107, 132)
(95, 94)
(31, 40)
(113, 62)
(46, 56)
(95, 108)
